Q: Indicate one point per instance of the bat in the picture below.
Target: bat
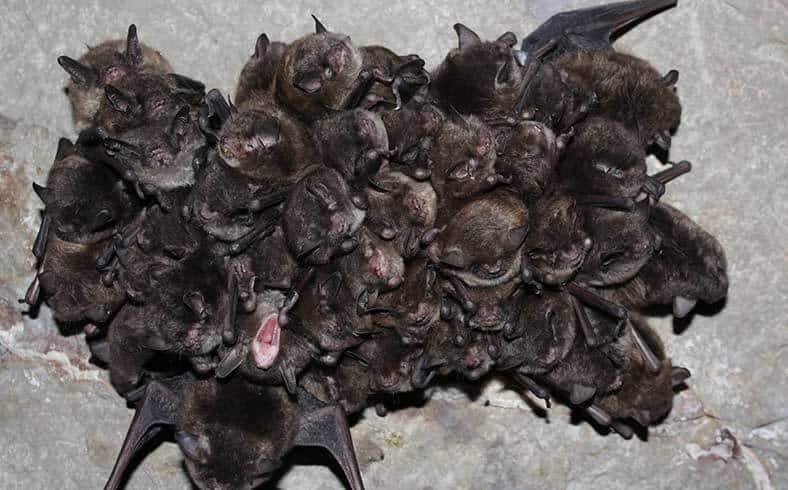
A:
(103, 65)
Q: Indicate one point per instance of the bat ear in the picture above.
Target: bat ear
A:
(465, 36)
(179, 126)
(65, 148)
(42, 192)
(80, 74)
(261, 46)
(517, 236)
(330, 287)
(119, 101)
(508, 38)
(319, 27)
(327, 427)
(218, 106)
(195, 448)
(270, 132)
(133, 52)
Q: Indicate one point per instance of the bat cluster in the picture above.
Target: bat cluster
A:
(354, 226)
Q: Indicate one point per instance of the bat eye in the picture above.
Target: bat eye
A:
(328, 73)
(461, 172)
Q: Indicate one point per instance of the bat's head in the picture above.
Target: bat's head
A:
(540, 334)
(557, 243)
(86, 201)
(529, 158)
(463, 154)
(352, 142)
(623, 243)
(483, 238)
(320, 218)
(318, 73)
(327, 313)
(226, 203)
(481, 76)
(248, 137)
(375, 263)
(227, 441)
(604, 158)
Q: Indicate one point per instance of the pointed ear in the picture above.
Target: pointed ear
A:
(179, 125)
(269, 132)
(465, 36)
(133, 52)
(261, 46)
(79, 73)
(195, 448)
(330, 287)
(42, 192)
(319, 27)
(118, 100)
(64, 148)
(218, 105)
(508, 38)
(517, 236)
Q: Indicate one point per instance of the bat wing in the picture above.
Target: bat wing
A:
(157, 406)
(592, 28)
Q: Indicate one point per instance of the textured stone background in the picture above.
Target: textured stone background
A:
(61, 423)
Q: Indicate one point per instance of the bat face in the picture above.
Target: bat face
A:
(320, 218)
(227, 204)
(541, 334)
(106, 64)
(375, 264)
(226, 442)
(411, 132)
(72, 286)
(415, 306)
(135, 101)
(401, 209)
(319, 73)
(463, 159)
(264, 145)
(529, 158)
(352, 143)
(483, 238)
(158, 156)
(264, 351)
(604, 158)
(86, 201)
(617, 256)
(481, 77)
(557, 244)
(327, 313)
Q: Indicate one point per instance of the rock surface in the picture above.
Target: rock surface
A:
(61, 424)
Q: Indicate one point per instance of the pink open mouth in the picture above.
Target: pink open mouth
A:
(265, 346)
